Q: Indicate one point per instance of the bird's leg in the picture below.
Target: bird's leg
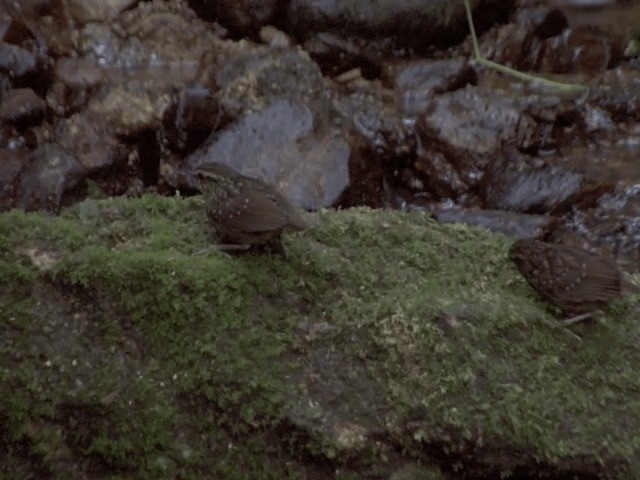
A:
(273, 246)
(564, 329)
(580, 318)
(276, 246)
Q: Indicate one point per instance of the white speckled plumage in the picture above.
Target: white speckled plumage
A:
(243, 209)
(571, 278)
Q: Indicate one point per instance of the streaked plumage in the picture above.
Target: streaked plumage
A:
(245, 210)
(571, 278)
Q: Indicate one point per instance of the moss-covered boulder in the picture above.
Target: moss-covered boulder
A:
(387, 346)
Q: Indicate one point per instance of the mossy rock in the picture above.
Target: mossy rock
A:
(387, 346)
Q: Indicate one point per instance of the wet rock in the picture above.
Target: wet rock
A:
(76, 81)
(38, 135)
(286, 145)
(367, 171)
(135, 91)
(48, 174)
(369, 109)
(11, 163)
(518, 184)
(622, 100)
(444, 173)
(23, 53)
(584, 50)
(539, 40)
(85, 11)
(509, 223)
(132, 109)
(251, 76)
(193, 114)
(274, 37)
(22, 107)
(436, 172)
(586, 4)
(5, 82)
(509, 44)
(79, 73)
(90, 138)
(123, 75)
(142, 60)
(415, 24)
(416, 83)
(100, 44)
(602, 164)
(7, 134)
(542, 20)
(611, 222)
(458, 134)
(597, 120)
(241, 17)
(146, 46)
(255, 78)
(617, 17)
(13, 137)
(477, 120)
(606, 214)
(336, 55)
(381, 138)
(120, 87)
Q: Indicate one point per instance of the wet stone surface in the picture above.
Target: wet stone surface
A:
(510, 223)
(417, 83)
(415, 24)
(21, 106)
(49, 173)
(478, 120)
(285, 145)
(109, 85)
(12, 161)
(523, 184)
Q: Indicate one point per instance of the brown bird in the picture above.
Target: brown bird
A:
(245, 210)
(577, 281)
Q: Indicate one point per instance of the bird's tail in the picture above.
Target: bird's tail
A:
(629, 287)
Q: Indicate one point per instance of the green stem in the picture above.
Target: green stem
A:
(472, 30)
(477, 57)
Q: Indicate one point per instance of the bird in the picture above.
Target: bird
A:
(577, 281)
(245, 210)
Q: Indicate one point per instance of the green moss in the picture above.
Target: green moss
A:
(129, 355)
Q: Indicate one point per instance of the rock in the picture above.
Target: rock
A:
(89, 137)
(416, 83)
(49, 173)
(193, 114)
(287, 146)
(85, 11)
(385, 332)
(23, 52)
(11, 163)
(477, 121)
(508, 223)
(21, 106)
(515, 184)
(414, 24)
(242, 17)
(251, 77)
